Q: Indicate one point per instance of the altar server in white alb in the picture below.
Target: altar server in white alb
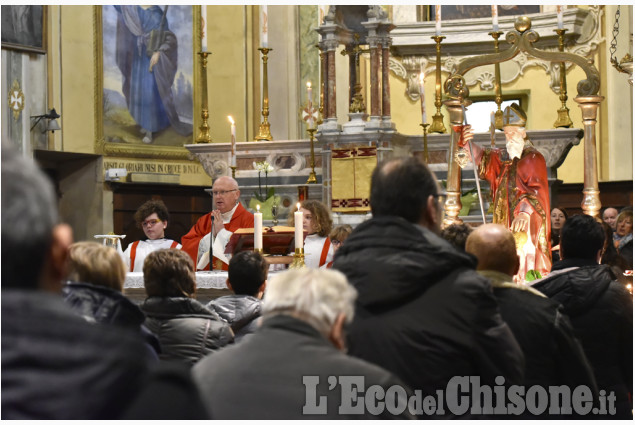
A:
(153, 218)
(317, 223)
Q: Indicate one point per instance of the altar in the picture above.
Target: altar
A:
(209, 285)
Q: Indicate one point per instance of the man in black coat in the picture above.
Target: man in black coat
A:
(293, 366)
(600, 308)
(423, 312)
(553, 356)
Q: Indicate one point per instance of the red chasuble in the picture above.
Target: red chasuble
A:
(240, 219)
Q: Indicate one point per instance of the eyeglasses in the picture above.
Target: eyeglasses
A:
(150, 223)
(222, 192)
(336, 242)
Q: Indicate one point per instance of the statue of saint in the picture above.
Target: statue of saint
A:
(519, 189)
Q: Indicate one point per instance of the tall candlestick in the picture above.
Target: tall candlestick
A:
(437, 18)
(264, 26)
(233, 142)
(204, 28)
(560, 17)
(495, 18)
(309, 96)
(258, 229)
(299, 235)
(422, 94)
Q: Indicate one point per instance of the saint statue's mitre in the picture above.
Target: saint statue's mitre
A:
(513, 115)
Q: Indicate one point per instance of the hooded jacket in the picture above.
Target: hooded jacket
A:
(240, 311)
(422, 311)
(601, 312)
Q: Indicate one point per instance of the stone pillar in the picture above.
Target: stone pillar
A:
(385, 80)
(591, 201)
(375, 110)
(453, 202)
(331, 111)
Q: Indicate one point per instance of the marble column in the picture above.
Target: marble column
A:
(385, 76)
(331, 111)
(589, 105)
(375, 99)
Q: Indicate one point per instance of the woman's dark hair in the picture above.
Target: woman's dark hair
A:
(555, 236)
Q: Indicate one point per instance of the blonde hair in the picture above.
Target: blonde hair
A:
(97, 264)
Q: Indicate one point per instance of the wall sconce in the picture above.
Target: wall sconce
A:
(52, 124)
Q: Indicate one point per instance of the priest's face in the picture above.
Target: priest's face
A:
(226, 194)
(515, 140)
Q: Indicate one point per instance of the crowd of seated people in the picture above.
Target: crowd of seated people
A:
(392, 313)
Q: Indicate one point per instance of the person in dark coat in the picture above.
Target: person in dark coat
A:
(247, 279)
(187, 330)
(601, 309)
(55, 365)
(553, 356)
(96, 278)
(294, 365)
(423, 312)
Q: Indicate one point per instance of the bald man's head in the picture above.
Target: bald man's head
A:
(494, 247)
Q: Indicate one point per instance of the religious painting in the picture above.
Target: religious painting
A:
(147, 69)
(451, 12)
(23, 28)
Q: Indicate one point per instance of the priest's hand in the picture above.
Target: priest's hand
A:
(218, 222)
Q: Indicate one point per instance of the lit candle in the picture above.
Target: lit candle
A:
(233, 145)
(264, 27)
(495, 18)
(204, 28)
(299, 235)
(437, 17)
(422, 94)
(309, 96)
(257, 228)
(560, 17)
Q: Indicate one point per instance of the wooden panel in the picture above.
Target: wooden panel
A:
(617, 194)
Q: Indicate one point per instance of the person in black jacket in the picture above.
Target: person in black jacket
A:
(187, 330)
(423, 312)
(247, 279)
(553, 356)
(601, 309)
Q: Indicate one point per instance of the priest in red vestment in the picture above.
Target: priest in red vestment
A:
(229, 216)
(520, 191)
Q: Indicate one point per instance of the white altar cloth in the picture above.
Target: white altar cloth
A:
(204, 280)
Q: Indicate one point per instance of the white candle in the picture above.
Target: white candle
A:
(560, 17)
(257, 228)
(233, 144)
(495, 18)
(264, 27)
(437, 17)
(299, 235)
(422, 94)
(309, 96)
(204, 28)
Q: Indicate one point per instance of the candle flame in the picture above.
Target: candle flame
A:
(258, 207)
(231, 120)
(298, 206)
(308, 84)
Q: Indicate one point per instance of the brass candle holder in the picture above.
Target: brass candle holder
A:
(437, 125)
(298, 259)
(498, 88)
(264, 132)
(425, 141)
(312, 176)
(259, 251)
(233, 167)
(564, 120)
(203, 134)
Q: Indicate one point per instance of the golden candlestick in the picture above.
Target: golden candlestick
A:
(203, 134)
(437, 120)
(564, 120)
(264, 132)
(259, 251)
(425, 141)
(312, 176)
(298, 259)
(498, 87)
(233, 167)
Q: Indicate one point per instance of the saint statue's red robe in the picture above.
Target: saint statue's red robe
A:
(520, 185)
(240, 219)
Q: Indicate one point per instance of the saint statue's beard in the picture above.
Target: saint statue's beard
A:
(515, 148)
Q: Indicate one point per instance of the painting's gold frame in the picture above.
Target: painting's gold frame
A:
(142, 151)
(33, 49)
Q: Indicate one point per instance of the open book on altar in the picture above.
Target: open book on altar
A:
(276, 240)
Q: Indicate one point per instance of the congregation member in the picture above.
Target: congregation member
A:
(609, 216)
(282, 371)
(600, 309)
(317, 224)
(558, 217)
(228, 216)
(423, 312)
(94, 290)
(611, 258)
(337, 237)
(553, 356)
(187, 330)
(623, 236)
(247, 279)
(153, 218)
(55, 365)
(457, 234)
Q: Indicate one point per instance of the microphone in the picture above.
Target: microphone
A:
(211, 246)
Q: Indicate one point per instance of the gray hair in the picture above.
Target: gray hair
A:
(316, 296)
(29, 213)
